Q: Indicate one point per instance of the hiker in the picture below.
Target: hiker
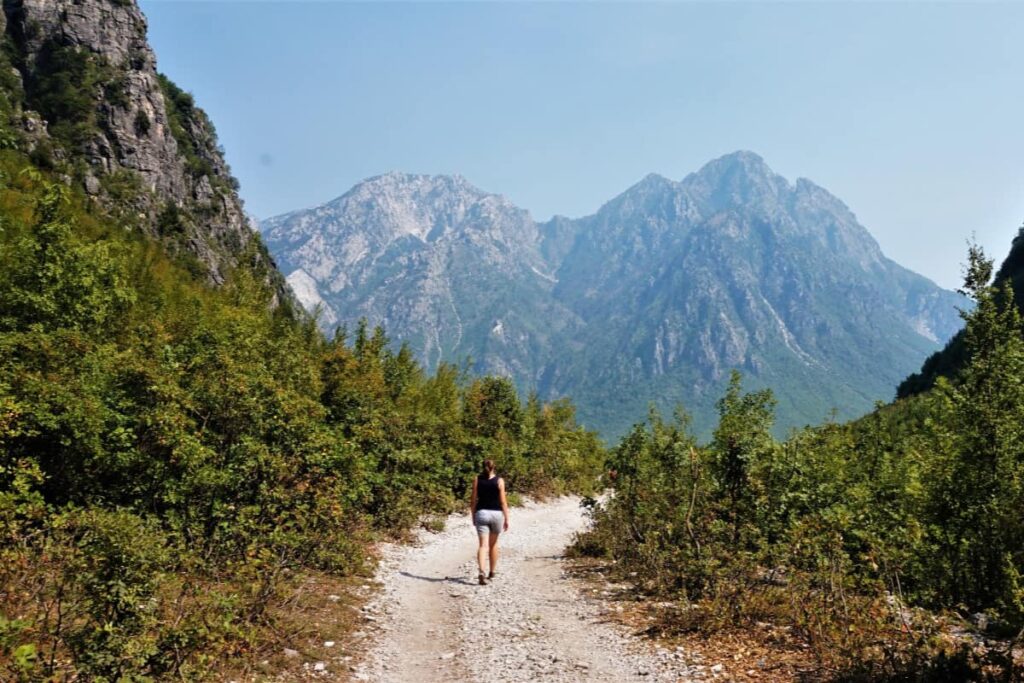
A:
(489, 512)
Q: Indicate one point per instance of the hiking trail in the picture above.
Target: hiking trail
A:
(432, 622)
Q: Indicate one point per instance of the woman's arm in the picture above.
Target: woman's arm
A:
(504, 501)
(472, 502)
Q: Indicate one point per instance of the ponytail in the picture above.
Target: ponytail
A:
(488, 468)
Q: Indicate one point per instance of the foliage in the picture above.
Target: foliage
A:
(172, 456)
(196, 136)
(843, 532)
(950, 360)
(63, 86)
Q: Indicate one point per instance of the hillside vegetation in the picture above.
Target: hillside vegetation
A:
(948, 361)
(871, 541)
(174, 456)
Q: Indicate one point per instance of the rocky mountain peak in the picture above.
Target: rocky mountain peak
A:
(425, 207)
(741, 164)
(737, 179)
(420, 185)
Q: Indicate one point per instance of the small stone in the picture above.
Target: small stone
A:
(447, 655)
(290, 653)
(717, 669)
(319, 666)
(334, 598)
(328, 643)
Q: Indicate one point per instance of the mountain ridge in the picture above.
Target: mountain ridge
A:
(658, 293)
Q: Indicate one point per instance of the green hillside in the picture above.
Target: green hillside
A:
(178, 447)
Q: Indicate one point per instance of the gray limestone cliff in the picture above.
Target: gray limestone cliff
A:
(96, 110)
(438, 262)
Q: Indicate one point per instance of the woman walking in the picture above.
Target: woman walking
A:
(489, 511)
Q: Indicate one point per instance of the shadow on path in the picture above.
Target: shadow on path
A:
(434, 579)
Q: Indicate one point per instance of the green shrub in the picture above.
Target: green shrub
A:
(142, 122)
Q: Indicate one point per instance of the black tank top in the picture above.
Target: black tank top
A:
(488, 497)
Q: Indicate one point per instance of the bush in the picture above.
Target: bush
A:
(142, 123)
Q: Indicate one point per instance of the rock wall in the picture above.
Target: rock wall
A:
(141, 124)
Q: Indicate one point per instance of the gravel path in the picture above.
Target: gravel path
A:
(432, 622)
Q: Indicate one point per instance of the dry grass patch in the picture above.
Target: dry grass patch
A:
(318, 622)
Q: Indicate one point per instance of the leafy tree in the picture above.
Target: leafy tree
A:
(741, 440)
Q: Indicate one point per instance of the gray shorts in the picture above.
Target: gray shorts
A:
(489, 521)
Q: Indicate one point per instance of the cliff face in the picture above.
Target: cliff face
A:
(97, 110)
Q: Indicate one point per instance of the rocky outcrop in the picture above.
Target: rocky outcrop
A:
(128, 134)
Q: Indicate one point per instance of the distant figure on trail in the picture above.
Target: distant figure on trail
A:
(489, 511)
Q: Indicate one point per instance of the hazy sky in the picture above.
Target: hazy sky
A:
(913, 114)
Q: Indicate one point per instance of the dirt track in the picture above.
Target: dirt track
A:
(432, 622)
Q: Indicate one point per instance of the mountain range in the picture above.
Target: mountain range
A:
(656, 297)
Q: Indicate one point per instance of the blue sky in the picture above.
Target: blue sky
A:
(913, 114)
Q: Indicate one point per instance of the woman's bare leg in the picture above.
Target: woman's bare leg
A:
(481, 552)
(493, 542)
